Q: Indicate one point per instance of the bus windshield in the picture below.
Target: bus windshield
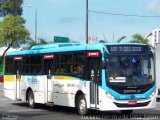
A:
(130, 71)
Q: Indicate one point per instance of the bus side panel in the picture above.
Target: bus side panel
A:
(9, 86)
(36, 84)
(65, 89)
(23, 88)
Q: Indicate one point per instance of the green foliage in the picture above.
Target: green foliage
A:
(138, 38)
(13, 32)
(117, 41)
(30, 43)
(102, 41)
(120, 39)
(12, 7)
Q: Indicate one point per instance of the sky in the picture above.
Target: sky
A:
(66, 18)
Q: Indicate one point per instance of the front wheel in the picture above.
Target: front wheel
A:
(31, 102)
(82, 105)
(126, 112)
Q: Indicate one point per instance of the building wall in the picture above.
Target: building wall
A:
(158, 67)
(155, 36)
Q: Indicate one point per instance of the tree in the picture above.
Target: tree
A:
(120, 39)
(11, 7)
(138, 38)
(30, 43)
(102, 41)
(150, 34)
(12, 33)
(117, 41)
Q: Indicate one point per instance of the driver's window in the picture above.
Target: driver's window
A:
(145, 69)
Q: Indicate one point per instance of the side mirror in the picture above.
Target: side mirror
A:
(104, 64)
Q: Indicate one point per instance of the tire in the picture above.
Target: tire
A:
(126, 112)
(82, 105)
(31, 102)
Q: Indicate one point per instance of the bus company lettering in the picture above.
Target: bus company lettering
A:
(138, 49)
(32, 80)
(59, 85)
(71, 85)
(126, 49)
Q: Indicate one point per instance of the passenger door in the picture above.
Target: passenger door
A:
(17, 72)
(94, 75)
(48, 69)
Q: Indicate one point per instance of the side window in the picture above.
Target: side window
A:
(78, 64)
(70, 63)
(26, 66)
(9, 65)
(64, 63)
(36, 65)
(57, 64)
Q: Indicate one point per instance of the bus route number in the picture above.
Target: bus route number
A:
(113, 49)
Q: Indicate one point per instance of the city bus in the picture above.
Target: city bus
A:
(102, 76)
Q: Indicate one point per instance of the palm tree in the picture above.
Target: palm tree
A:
(150, 34)
(102, 41)
(117, 41)
(138, 38)
(120, 39)
(30, 43)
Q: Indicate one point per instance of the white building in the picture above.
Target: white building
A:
(156, 43)
(155, 36)
(2, 49)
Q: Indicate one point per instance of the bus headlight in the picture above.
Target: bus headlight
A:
(152, 95)
(109, 95)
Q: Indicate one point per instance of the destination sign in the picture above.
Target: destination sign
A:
(127, 49)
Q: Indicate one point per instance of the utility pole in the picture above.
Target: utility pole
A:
(36, 25)
(35, 10)
(86, 21)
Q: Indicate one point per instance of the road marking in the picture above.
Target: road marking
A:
(3, 99)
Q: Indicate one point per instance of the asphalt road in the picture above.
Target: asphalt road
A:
(15, 110)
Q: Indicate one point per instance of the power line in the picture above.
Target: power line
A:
(119, 14)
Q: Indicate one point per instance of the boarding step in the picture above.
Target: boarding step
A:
(50, 104)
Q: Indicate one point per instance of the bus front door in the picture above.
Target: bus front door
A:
(48, 63)
(17, 72)
(94, 77)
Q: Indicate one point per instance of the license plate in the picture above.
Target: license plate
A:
(133, 102)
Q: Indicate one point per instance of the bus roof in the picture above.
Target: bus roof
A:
(65, 47)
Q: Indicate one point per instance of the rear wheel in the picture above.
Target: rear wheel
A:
(31, 102)
(127, 112)
(82, 105)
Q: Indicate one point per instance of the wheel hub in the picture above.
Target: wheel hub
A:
(82, 105)
(30, 100)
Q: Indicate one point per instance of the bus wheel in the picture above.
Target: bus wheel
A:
(82, 105)
(127, 112)
(31, 102)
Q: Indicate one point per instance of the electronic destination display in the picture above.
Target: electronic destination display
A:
(128, 49)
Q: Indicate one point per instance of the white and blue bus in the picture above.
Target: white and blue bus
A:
(103, 77)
